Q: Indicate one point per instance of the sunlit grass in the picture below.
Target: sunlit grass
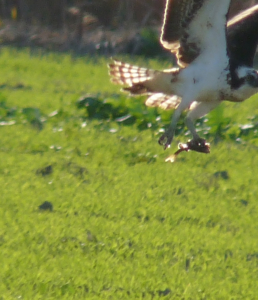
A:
(124, 225)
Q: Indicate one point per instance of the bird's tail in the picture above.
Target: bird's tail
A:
(136, 78)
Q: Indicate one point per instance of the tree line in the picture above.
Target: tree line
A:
(109, 13)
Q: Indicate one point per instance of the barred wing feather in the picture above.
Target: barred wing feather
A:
(163, 101)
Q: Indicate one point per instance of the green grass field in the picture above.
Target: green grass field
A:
(124, 224)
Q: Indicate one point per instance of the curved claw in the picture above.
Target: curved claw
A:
(165, 140)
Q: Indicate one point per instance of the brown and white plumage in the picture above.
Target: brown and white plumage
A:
(242, 36)
(175, 36)
(123, 73)
(214, 64)
(139, 81)
(163, 101)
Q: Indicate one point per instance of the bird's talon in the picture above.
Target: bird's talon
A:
(167, 145)
(165, 140)
(162, 140)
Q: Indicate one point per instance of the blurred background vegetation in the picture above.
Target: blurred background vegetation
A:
(88, 26)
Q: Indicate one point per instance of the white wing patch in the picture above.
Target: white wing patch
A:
(163, 101)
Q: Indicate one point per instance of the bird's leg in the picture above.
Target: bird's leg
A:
(197, 143)
(201, 109)
(167, 138)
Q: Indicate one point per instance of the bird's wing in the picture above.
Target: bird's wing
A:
(190, 26)
(242, 36)
(163, 101)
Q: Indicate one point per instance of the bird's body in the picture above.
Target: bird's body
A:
(211, 67)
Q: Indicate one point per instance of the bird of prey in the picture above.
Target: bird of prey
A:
(215, 63)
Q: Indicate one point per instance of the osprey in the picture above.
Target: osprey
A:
(215, 58)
